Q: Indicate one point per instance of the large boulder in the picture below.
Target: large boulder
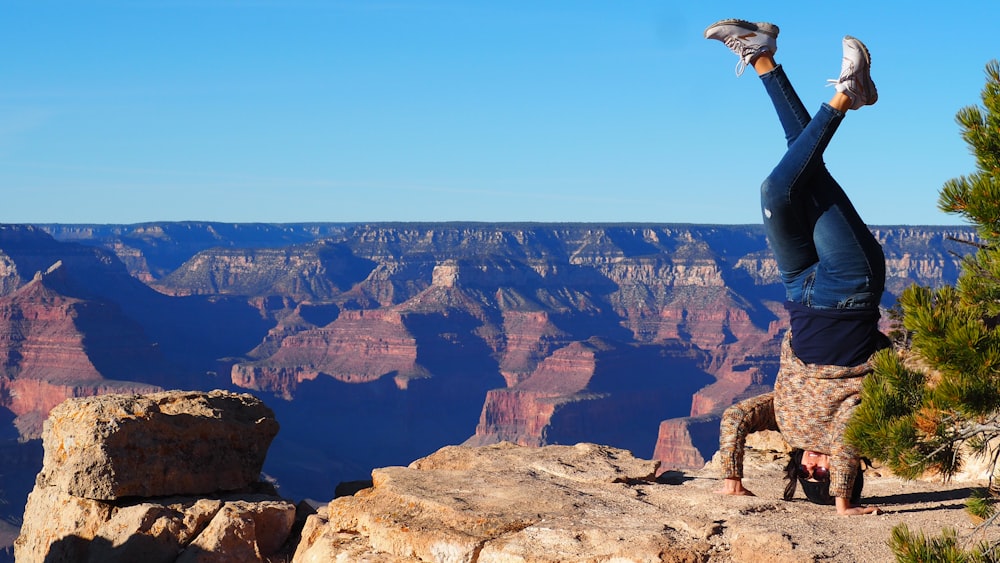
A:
(171, 476)
(171, 443)
(234, 528)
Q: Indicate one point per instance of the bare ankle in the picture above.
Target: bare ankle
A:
(840, 102)
(764, 63)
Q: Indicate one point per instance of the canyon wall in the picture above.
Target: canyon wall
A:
(376, 344)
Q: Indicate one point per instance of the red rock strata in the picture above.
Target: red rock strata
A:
(47, 358)
(523, 412)
(685, 314)
(358, 347)
(530, 337)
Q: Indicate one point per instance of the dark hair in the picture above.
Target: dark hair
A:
(817, 491)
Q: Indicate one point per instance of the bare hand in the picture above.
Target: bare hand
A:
(734, 487)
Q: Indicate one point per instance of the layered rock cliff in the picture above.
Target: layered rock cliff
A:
(53, 346)
(385, 342)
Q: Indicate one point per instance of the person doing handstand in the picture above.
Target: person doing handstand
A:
(833, 271)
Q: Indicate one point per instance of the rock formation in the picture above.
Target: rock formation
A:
(687, 442)
(497, 503)
(358, 347)
(589, 503)
(120, 437)
(579, 393)
(53, 347)
(171, 476)
(381, 343)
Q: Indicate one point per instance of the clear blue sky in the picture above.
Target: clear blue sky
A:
(521, 110)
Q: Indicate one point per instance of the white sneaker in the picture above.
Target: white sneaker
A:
(747, 39)
(855, 74)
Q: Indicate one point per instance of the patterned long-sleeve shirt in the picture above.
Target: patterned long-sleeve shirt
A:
(810, 405)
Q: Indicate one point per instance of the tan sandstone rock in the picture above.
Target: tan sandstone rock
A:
(170, 443)
(242, 530)
(229, 528)
(588, 503)
(157, 451)
(500, 503)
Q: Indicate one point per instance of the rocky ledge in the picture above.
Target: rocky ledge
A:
(581, 503)
(591, 503)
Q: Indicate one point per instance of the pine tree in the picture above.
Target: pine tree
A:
(935, 399)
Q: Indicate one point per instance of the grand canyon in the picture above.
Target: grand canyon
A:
(376, 344)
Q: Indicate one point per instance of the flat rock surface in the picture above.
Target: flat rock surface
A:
(595, 503)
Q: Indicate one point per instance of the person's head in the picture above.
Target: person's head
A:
(811, 471)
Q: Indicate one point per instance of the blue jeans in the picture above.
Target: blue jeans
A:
(827, 257)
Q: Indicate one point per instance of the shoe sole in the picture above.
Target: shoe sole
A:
(763, 27)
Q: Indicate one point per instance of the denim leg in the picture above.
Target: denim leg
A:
(825, 253)
(851, 268)
(791, 113)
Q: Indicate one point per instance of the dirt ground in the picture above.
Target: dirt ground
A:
(766, 528)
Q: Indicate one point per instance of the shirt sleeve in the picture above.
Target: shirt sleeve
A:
(738, 421)
(844, 459)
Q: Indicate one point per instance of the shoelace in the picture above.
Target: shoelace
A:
(743, 50)
(853, 87)
(846, 71)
